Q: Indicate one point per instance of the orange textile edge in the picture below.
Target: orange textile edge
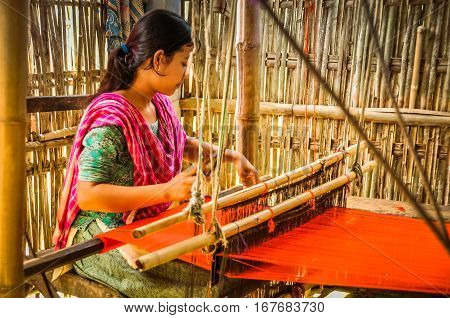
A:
(123, 235)
(178, 232)
(345, 247)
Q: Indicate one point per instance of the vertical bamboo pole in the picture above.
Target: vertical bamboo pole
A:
(405, 58)
(436, 36)
(388, 50)
(416, 68)
(13, 87)
(341, 50)
(445, 101)
(248, 74)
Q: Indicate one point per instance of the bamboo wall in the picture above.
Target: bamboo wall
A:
(415, 38)
(67, 57)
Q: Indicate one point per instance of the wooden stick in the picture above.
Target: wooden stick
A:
(171, 252)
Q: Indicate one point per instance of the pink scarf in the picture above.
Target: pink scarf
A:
(154, 160)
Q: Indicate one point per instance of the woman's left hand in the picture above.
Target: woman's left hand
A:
(247, 172)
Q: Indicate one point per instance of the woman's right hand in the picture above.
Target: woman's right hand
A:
(181, 185)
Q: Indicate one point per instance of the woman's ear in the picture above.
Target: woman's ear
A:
(158, 60)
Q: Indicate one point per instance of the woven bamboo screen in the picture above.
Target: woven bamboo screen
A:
(67, 56)
(415, 38)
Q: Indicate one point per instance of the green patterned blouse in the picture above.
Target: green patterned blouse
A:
(105, 159)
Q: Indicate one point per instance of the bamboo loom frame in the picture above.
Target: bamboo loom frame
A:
(171, 252)
(13, 30)
(250, 192)
(248, 76)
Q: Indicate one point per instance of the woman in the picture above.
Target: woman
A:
(126, 159)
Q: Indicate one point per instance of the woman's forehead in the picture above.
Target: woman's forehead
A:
(186, 50)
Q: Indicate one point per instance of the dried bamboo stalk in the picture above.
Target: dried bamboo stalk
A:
(392, 14)
(416, 68)
(436, 34)
(429, 24)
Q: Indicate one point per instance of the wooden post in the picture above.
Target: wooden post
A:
(248, 83)
(13, 87)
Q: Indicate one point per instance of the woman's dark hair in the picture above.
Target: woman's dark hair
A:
(156, 30)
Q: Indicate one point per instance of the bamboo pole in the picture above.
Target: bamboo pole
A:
(445, 101)
(416, 68)
(392, 15)
(248, 74)
(405, 60)
(436, 36)
(13, 87)
(171, 252)
(429, 21)
(250, 192)
(378, 76)
(379, 115)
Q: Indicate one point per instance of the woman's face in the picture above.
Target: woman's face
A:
(172, 70)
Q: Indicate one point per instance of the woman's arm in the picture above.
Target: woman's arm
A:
(247, 172)
(105, 197)
(191, 151)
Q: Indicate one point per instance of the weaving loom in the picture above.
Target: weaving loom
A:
(299, 232)
(294, 229)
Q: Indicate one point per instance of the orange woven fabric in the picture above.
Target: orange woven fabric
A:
(344, 247)
(341, 247)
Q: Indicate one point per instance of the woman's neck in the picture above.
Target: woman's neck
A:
(140, 97)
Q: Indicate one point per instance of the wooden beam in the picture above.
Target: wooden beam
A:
(62, 257)
(248, 79)
(382, 206)
(377, 115)
(56, 103)
(75, 285)
(171, 252)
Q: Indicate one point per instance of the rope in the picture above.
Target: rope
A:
(221, 238)
(271, 223)
(312, 201)
(194, 208)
